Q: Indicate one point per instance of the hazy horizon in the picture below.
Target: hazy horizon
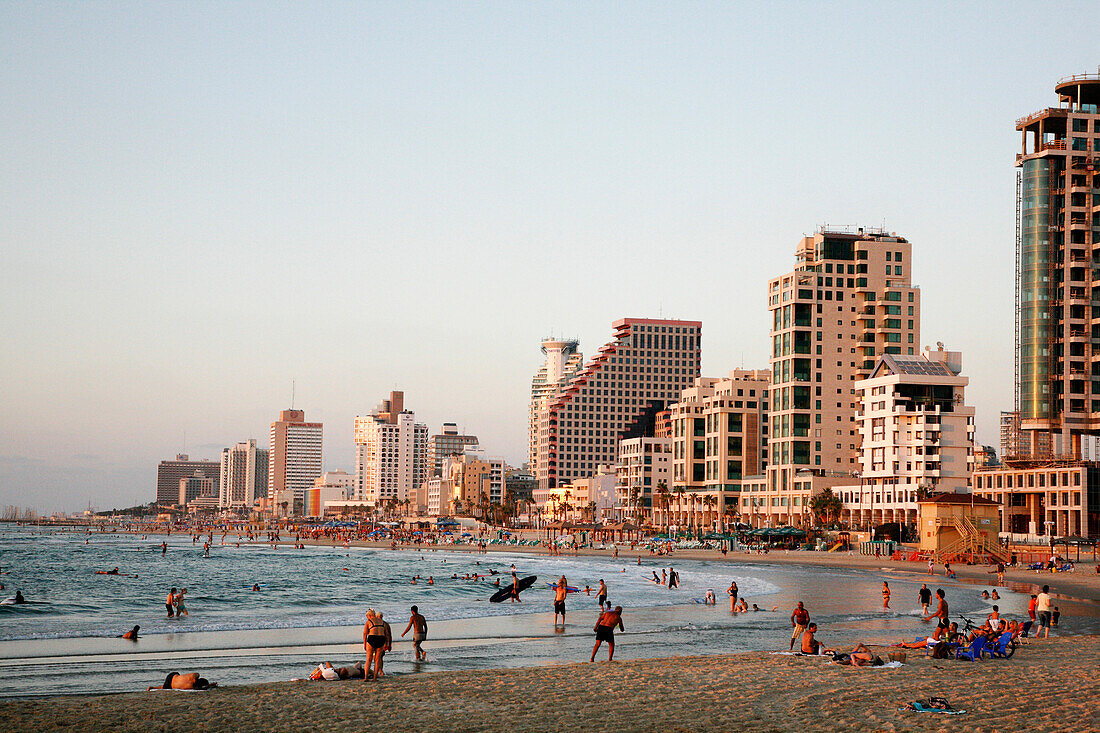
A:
(205, 202)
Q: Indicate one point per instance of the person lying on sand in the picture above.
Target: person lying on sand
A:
(861, 656)
(189, 681)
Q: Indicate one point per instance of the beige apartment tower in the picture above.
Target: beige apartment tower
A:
(295, 457)
(848, 301)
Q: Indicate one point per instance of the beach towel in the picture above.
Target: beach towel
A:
(931, 705)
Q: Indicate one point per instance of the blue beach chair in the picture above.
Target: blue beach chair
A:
(1002, 648)
(974, 652)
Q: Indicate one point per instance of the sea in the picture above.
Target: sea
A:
(310, 607)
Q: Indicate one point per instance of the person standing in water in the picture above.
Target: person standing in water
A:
(601, 593)
(885, 596)
(515, 587)
(925, 597)
(605, 631)
(560, 592)
(732, 593)
(419, 625)
(170, 603)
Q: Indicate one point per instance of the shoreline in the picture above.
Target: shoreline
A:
(1047, 685)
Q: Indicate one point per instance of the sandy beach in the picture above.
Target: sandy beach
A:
(1048, 685)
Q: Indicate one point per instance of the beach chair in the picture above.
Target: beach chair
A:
(973, 652)
(1001, 649)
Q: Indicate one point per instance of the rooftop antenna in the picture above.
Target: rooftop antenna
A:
(292, 391)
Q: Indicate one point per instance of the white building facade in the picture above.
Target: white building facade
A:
(243, 475)
(390, 458)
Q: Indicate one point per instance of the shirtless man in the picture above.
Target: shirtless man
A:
(560, 593)
(515, 587)
(132, 634)
(419, 625)
(810, 645)
(605, 631)
(799, 619)
(601, 593)
(189, 681)
(940, 614)
(170, 603)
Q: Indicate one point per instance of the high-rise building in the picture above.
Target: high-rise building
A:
(446, 443)
(643, 479)
(243, 475)
(848, 301)
(1057, 288)
(563, 361)
(917, 436)
(195, 487)
(295, 459)
(169, 474)
(617, 395)
(391, 459)
(719, 436)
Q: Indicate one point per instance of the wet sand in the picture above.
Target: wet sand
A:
(1048, 685)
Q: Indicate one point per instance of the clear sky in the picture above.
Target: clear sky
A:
(200, 202)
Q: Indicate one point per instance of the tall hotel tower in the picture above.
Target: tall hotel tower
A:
(617, 395)
(563, 361)
(295, 457)
(1057, 285)
(391, 453)
(848, 301)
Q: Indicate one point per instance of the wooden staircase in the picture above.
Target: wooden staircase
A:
(972, 543)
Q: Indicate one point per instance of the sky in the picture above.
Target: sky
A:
(201, 203)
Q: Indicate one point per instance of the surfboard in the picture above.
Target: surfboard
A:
(504, 593)
(568, 588)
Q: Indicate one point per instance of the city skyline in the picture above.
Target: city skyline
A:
(201, 201)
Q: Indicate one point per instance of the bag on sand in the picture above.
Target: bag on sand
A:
(940, 650)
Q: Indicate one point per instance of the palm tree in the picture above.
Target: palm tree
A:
(694, 517)
(635, 495)
(710, 501)
(662, 500)
(457, 505)
(591, 508)
(679, 491)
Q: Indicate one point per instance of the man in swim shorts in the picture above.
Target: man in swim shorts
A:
(810, 645)
(170, 603)
(799, 619)
(419, 625)
(940, 614)
(560, 591)
(601, 593)
(605, 631)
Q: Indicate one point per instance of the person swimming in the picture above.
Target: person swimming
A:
(131, 635)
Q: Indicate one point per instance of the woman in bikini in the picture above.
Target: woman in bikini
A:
(374, 641)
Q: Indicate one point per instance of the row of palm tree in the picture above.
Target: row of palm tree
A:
(700, 511)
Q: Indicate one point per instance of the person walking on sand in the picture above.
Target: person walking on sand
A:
(1000, 573)
(940, 614)
(560, 592)
(931, 566)
(419, 625)
(605, 631)
(800, 618)
(1042, 607)
(374, 639)
(925, 597)
(885, 596)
